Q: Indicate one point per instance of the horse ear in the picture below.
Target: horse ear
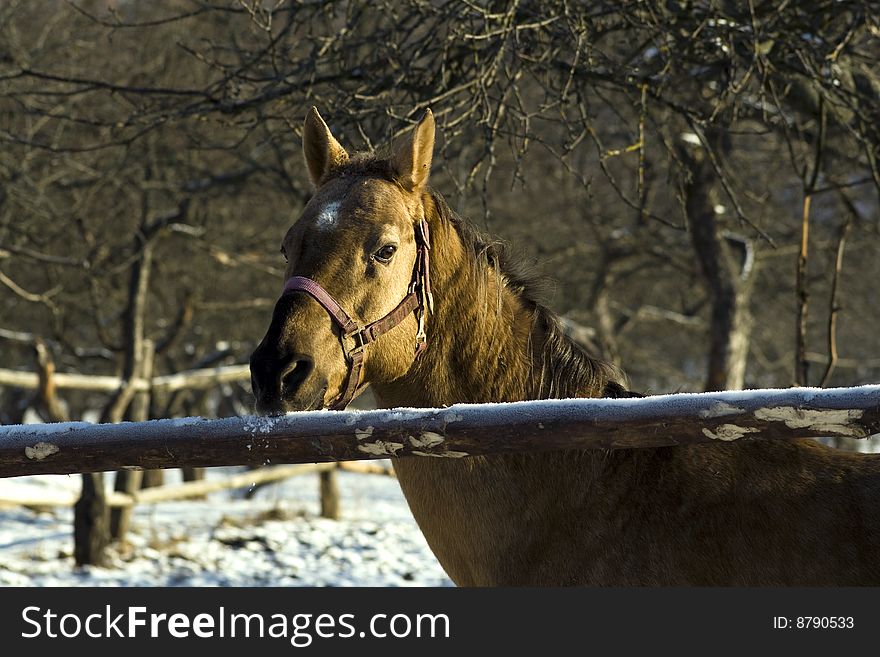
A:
(321, 150)
(411, 157)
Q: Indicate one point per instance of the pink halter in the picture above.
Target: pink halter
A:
(355, 338)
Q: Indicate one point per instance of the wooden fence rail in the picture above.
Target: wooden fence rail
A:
(193, 379)
(454, 432)
(173, 492)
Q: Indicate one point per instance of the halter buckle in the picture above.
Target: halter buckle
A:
(359, 339)
(421, 335)
(427, 298)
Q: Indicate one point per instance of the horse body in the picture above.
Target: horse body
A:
(759, 513)
(649, 518)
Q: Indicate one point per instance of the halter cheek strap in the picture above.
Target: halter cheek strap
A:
(354, 338)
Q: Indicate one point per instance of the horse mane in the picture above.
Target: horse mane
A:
(563, 368)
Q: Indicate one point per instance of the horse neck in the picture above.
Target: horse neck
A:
(487, 344)
(483, 340)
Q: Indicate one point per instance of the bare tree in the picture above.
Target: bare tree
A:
(680, 141)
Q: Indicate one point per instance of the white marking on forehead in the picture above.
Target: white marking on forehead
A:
(329, 215)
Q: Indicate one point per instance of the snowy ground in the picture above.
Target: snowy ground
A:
(275, 539)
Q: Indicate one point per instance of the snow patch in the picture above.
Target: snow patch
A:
(274, 539)
(430, 440)
(427, 439)
(720, 409)
(186, 421)
(363, 434)
(41, 429)
(260, 424)
(836, 421)
(40, 451)
(727, 432)
(381, 448)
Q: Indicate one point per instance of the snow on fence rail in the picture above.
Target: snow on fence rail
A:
(454, 432)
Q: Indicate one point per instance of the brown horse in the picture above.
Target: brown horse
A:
(759, 513)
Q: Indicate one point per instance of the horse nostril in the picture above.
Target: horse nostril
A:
(295, 373)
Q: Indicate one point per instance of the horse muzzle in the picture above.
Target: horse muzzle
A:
(285, 383)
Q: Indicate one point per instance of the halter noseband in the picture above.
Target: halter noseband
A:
(354, 338)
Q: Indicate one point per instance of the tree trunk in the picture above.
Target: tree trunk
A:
(91, 533)
(91, 514)
(15, 403)
(730, 331)
(47, 401)
(727, 264)
(605, 327)
(129, 481)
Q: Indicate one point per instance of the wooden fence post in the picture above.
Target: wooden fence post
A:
(329, 495)
(152, 478)
(193, 474)
(129, 481)
(91, 530)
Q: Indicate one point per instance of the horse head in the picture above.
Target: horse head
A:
(354, 305)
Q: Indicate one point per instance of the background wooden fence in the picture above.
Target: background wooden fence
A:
(203, 378)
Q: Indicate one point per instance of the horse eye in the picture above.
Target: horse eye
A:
(385, 253)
